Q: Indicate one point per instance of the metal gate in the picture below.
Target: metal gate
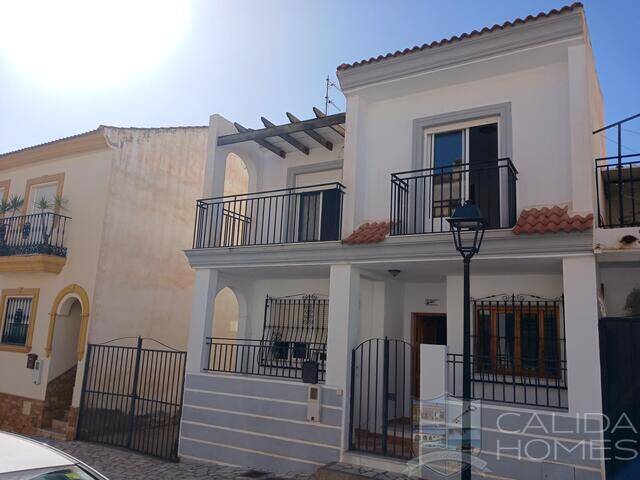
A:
(381, 401)
(132, 397)
(619, 360)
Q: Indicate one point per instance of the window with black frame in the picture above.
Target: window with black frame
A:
(295, 331)
(518, 335)
(16, 318)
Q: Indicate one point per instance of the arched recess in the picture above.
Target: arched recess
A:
(236, 305)
(236, 175)
(80, 293)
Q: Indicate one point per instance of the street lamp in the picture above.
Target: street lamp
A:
(467, 226)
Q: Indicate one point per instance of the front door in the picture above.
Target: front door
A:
(430, 329)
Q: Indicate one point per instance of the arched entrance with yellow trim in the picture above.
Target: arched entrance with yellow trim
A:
(73, 291)
(65, 347)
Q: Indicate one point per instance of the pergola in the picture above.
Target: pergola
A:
(295, 135)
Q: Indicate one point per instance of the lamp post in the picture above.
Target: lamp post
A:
(467, 226)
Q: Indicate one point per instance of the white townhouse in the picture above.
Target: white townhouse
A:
(350, 290)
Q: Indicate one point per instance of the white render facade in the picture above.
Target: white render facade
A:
(526, 94)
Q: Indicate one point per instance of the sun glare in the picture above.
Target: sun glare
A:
(89, 43)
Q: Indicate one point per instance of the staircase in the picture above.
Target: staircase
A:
(58, 429)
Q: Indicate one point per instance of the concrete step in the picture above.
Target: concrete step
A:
(59, 426)
(46, 433)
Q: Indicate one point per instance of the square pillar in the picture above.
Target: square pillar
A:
(344, 317)
(581, 333)
(433, 371)
(200, 326)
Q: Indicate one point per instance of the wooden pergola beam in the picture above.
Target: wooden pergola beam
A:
(339, 129)
(269, 146)
(255, 135)
(287, 138)
(312, 133)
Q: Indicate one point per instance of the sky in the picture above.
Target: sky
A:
(68, 66)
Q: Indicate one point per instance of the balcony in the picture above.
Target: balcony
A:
(421, 200)
(291, 215)
(618, 191)
(33, 243)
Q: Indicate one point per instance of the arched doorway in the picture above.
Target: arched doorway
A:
(65, 347)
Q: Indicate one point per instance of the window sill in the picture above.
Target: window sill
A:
(15, 348)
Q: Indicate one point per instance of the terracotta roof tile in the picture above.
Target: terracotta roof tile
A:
(457, 38)
(370, 232)
(551, 220)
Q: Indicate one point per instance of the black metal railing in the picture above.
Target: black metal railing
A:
(618, 191)
(17, 316)
(509, 384)
(421, 200)
(265, 358)
(618, 180)
(291, 215)
(41, 233)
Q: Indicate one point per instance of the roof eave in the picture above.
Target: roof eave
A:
(81, 143)
(567, 25)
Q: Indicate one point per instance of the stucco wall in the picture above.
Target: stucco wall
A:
(86, 201)
(143, 283)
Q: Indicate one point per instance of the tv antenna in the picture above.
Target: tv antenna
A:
(328, 101)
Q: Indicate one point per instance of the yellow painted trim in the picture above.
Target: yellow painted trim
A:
(58, 177)
(32, 263)
(6, 184)
(34, 293)
(84, 322)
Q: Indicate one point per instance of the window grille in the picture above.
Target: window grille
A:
(16, 320)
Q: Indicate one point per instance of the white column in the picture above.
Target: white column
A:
(580, 125)
(433, 371)
(216, 163)
(200, 326)
(344, 316)
(581, 333)
(352, 177)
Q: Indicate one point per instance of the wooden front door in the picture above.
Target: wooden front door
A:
(430, 329)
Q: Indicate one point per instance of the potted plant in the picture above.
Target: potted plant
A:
(5, 207)
(15, 204)
(633, 302)
(43, 205)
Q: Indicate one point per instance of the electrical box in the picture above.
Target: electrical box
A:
(31, 360)
(313, 404)
(37, 372)
(310, 372)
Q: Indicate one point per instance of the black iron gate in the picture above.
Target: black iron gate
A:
(619, 360)
(381, 401)
(132, 397)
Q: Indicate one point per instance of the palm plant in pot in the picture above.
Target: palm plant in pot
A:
(5, 207)
(43, 205)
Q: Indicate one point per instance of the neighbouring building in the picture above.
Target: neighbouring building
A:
(92, 253)
(345, 272)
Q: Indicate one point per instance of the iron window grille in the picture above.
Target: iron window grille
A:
(17, 315)
(291, 325)
(518, 351)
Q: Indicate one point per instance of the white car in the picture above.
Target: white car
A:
(22, 458)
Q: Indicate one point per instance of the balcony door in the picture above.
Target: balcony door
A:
(462, 164)
(318, 212)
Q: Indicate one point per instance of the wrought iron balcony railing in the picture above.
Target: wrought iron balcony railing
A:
(421, 200)
(618, 191)
(38, 233)
(291, 215)
(265, 358)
